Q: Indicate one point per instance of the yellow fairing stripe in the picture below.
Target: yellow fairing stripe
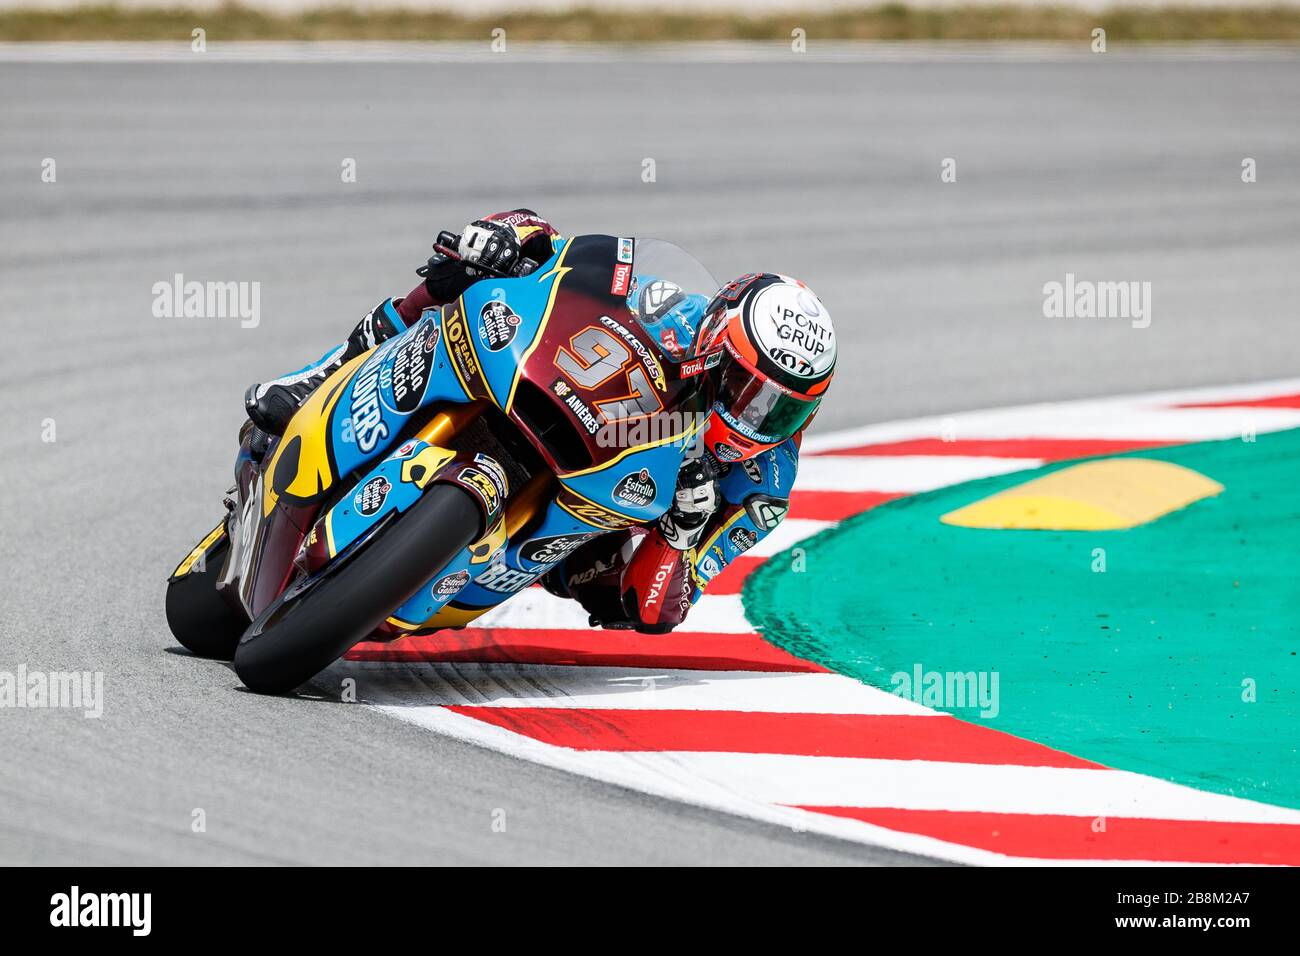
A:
(558, 271)
(201, 548)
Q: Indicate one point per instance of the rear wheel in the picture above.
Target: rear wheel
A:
(313, 624)
(200, 618)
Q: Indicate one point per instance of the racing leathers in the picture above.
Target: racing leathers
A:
(648, 578)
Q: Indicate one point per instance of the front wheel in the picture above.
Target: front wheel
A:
(309, 627)
(200, 618)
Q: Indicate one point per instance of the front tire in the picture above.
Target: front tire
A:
(201, 619)
(307, 629)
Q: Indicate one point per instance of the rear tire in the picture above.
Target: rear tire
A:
(305, 631)
(201, 619)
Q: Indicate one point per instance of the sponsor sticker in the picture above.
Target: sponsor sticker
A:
(462, 354)
(503, 579)
(483, 485)
(622, 276)
(450, 584)
(642, 351)
(793, 330)
(625, 248)
(549, 550)
(367, 417)
(593, 514)
(637, 490)
(497, 325)
(702, 364)
(372, 494)
(495, 472)
(726, 452)
(588, 419)
(742, 538)
(411, 367)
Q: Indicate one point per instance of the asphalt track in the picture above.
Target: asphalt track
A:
(1113, 169)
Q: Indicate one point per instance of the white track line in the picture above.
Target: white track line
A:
(901, 473)
(1136, 417)
(935, 785)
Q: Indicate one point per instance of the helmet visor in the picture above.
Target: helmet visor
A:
(758, 408)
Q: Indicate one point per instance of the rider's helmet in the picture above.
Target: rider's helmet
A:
(774, 346)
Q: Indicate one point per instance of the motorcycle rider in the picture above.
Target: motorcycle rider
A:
(769, 347)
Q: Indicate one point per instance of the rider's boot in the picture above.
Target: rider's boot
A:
(271, 405)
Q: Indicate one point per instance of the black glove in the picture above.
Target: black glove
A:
(493, 246)
(483, 248)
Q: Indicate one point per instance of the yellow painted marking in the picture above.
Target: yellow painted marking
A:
(1093, 496)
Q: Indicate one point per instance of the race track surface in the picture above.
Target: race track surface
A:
(1123, 169)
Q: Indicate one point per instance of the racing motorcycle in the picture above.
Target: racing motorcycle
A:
(450, 466)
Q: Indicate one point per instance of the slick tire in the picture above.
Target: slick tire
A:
(200, 619)
(307, 629)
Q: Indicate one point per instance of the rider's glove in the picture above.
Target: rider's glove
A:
(694, 503)
(494, 246)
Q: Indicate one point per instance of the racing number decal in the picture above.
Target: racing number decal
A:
(599, 356)
(593, 357)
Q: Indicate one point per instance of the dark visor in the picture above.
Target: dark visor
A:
(758, 409)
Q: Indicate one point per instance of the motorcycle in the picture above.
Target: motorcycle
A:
(449, 468)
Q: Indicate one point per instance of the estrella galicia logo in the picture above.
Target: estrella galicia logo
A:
(637, 489)
(372, 494)
(450, 584)
(742, 538)
(412, 367)
(550, 550)
(497, 325)
(726, 452)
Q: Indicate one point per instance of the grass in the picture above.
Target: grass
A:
(891, 21)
